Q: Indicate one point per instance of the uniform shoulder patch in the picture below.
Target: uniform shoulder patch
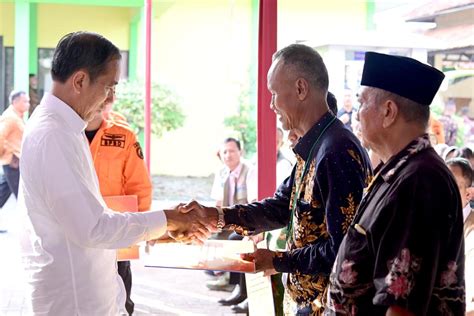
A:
(138, 148)
(113, 140)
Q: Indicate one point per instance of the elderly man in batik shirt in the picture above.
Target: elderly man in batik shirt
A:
(318, 201)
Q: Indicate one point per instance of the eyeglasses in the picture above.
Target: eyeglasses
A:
(110, 90)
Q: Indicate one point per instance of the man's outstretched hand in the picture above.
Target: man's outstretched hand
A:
(263, 259)
(191, 223)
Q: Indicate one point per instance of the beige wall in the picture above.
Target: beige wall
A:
(202, 49)
(57, 20)
(7, 23)
(306, 19)
(111, 22)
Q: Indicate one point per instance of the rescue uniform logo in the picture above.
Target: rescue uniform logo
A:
(113, 140)
(139, 150)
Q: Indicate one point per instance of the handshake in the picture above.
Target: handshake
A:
(192, 222)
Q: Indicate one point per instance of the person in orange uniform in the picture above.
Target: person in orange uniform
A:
(118, 161)
(436, 130)
(11, 134)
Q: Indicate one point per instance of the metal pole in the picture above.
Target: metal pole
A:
(266, 120)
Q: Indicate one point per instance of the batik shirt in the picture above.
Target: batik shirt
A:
(330, 192)
(405, 245)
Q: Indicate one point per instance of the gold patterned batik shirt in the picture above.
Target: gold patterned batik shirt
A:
(327, 199)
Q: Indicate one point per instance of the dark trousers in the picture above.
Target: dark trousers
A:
(236, 277)
(9, 183)
(123, 268)
(304, 311)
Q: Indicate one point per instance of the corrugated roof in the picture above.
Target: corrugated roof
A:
(456, 36)
(428, 11)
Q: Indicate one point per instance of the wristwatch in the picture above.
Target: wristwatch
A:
(220, 219)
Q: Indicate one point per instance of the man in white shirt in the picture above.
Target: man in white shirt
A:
(70, 236)
(236, 182)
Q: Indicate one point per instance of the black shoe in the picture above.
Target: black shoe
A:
(235, 297)
(241, 308)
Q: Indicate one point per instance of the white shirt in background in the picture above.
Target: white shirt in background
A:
(466, 211)
(220, 177)
(69, 235)
(233, 176)
(469, 260)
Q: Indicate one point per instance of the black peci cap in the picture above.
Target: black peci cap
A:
(404, 76)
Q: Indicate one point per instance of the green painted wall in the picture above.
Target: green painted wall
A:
(33, 60)
(22, 43)
(370, 24)
(134, 45)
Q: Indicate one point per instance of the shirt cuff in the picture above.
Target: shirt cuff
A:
(230, 216)
(156, 224)
(281, 262)
(232, 221)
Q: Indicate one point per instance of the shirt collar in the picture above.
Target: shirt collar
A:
(13, 110)
(466, 211)
(236, 172)
(55, 105)
(395, 163)
(303, 147)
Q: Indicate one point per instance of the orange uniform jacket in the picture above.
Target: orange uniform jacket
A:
(118, 161)
(11, 133)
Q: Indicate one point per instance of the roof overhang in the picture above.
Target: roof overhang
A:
(387, 39)
(428, 12)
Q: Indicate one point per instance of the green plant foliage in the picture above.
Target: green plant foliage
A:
(244, 124)
(166, 114)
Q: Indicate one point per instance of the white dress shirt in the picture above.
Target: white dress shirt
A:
(466, 211)
(70, 236)
(233, 176)
(220, 177)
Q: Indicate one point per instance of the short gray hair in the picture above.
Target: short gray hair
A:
(410, 110)
(15, 94)
(305, 62)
